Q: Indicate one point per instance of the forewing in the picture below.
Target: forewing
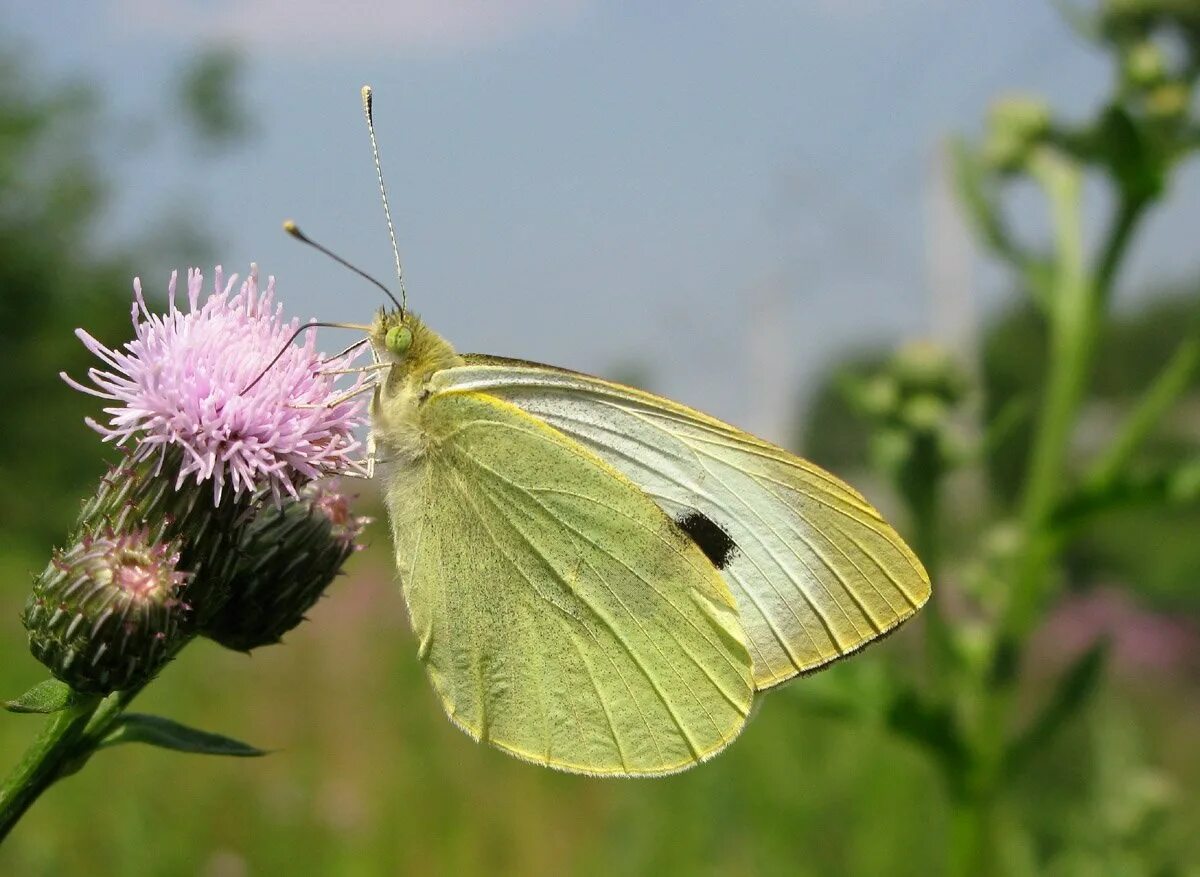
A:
(563, 617)
(817, 573)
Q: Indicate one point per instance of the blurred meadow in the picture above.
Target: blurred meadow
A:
(949, 254)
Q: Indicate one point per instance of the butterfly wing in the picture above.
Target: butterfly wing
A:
(816, 572)
(562, 616)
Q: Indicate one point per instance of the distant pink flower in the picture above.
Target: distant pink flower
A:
(185, 382)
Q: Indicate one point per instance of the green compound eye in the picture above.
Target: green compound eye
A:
(398, 340)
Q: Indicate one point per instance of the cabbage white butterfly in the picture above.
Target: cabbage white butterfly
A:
(600, 579)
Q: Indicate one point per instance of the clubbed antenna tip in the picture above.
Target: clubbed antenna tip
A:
(387, 213)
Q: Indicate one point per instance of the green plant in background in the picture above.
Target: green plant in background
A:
(976, 708)
(811, 795)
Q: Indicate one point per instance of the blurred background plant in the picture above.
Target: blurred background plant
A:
(1066, 455)
(1039, 718)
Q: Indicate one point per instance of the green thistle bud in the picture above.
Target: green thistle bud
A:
(289, 557)
(1144, 65)
(107, 612)
(134, 495)
(879, 396)
(157, 558)
(1169, 101)
(1015, 125)
(922, 367)
(891, 449)
(924, 413)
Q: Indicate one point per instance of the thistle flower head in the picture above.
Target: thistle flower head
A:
(106, 612)
(202, 380)
(289, 556)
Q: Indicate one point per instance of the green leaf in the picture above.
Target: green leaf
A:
(854, 691)
(976, 192)
(169, 734)
(1082, 20)
(1073, 690)
(51, 696)
(1164, 487)
(931, 725)
(1129, 155)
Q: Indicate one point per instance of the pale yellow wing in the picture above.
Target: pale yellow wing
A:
(562, 615)
(817, 573)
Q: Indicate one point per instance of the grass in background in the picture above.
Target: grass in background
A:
(370, 778)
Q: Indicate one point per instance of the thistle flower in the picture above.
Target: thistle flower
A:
(215, 393)
(204, 381)
(289, 557)
(106, 611)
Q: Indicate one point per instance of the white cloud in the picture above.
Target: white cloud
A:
(320, 25)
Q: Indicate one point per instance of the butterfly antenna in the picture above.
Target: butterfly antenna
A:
(300, 331)
(294, 230)
(367, 97)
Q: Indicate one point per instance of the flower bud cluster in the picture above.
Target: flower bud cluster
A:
(211, 524)
(911, 403)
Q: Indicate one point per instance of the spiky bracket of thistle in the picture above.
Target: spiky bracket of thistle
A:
(210, 524)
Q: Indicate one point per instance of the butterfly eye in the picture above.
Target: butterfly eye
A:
(398, 340)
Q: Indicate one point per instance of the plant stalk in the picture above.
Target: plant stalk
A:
(55, 747)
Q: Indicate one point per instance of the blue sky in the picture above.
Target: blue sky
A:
(725, 194)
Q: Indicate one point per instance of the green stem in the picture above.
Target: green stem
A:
(1077, 299)
(1072, 331)
(66, 743)
(1078, 303)
(43, 762)
(1129, 212)
(921, 489)
(1171, 383)
(972, 851)
(1069, 325)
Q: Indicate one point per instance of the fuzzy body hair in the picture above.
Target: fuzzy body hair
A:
(395, 406)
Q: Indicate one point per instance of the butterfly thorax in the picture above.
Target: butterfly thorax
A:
(415, 353)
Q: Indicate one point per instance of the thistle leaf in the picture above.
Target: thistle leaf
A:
(50, 696)
(1071, 693)
(932, 725)
(169, 734)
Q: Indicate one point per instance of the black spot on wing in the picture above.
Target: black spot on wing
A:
(711, 538)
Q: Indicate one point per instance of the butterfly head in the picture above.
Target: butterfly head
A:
(414, 350)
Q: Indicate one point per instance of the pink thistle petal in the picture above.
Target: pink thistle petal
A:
(184, 381)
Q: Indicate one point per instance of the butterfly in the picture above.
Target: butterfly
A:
(600, 579)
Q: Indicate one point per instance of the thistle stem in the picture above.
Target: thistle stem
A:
(43, 763)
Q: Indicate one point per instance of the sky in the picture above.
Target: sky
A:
(720, 196)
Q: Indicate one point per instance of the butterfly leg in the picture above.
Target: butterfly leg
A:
(358, 369)
(346, 352)
(371, 455)
(367, 465)
(338, 400)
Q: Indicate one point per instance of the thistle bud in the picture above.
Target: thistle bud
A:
(1169, 102)
(878, 396)
(1144, 65)
(921, 367)
(1015, 125)
(289, 557)
(107, 613)
(924, 413)
(134, 495)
